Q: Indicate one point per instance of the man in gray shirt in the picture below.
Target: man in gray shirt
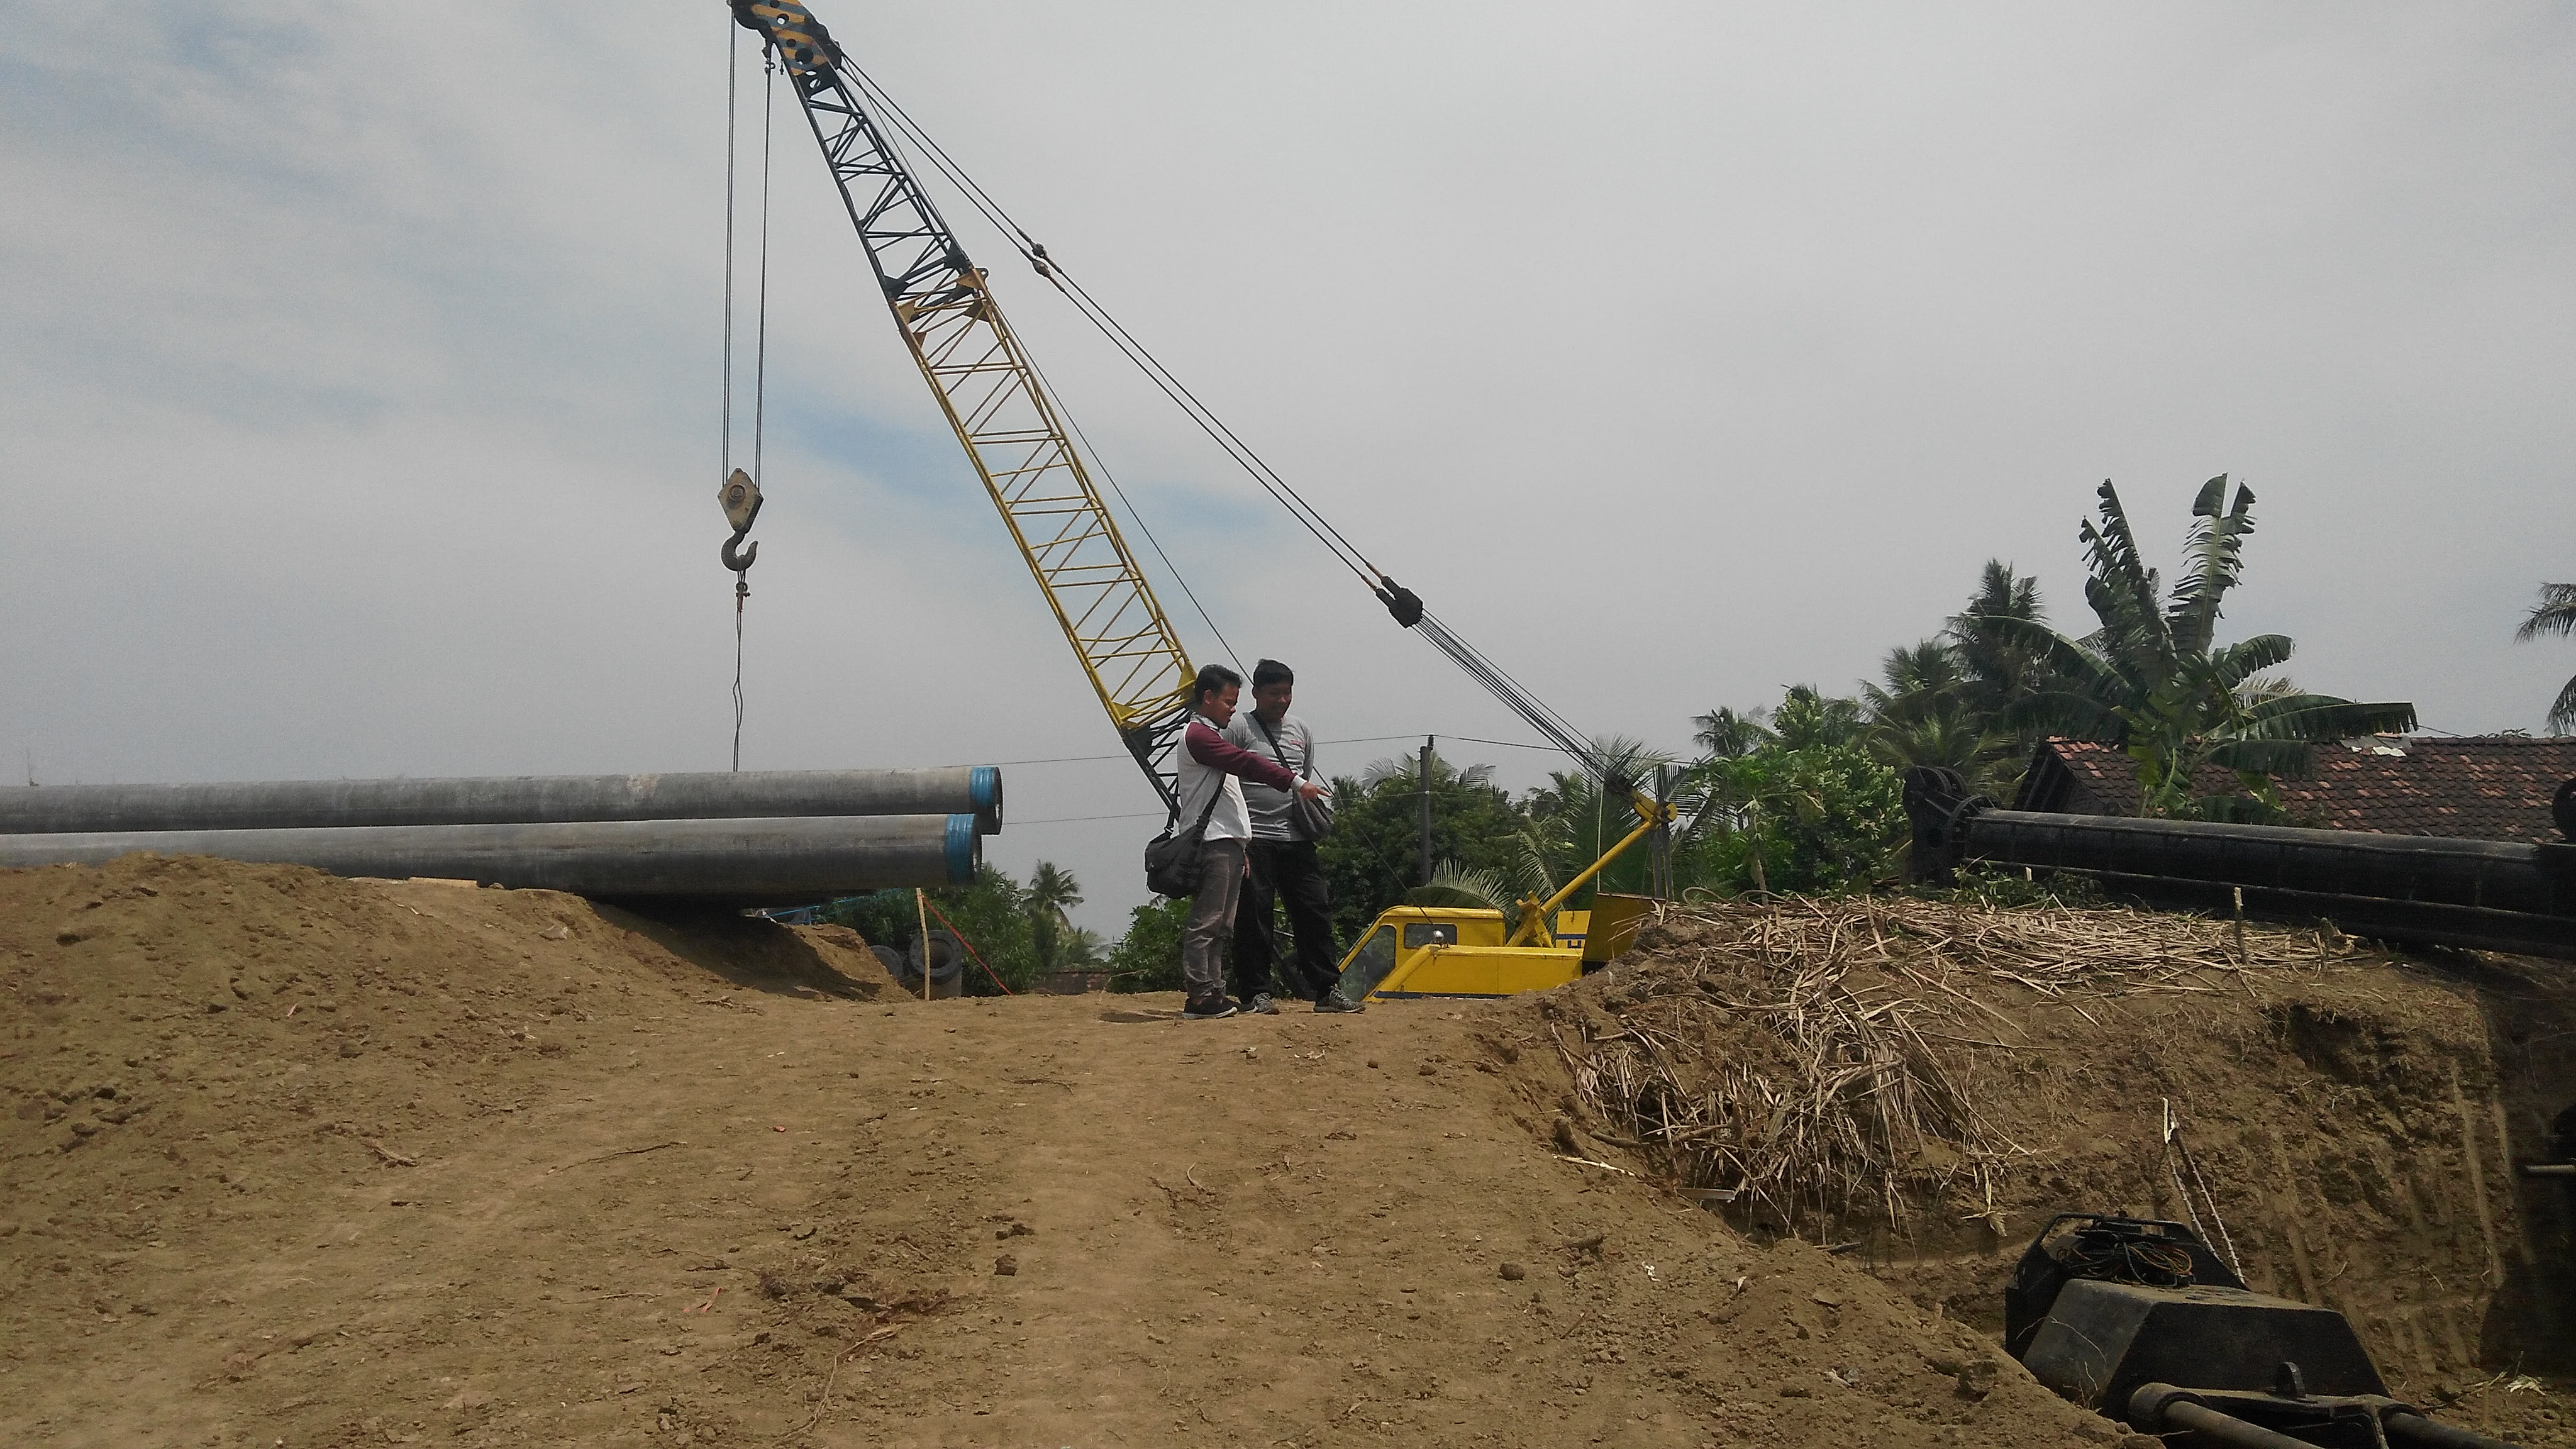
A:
(1283, 861)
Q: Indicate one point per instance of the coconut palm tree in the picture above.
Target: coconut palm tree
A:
(1052, 892)
(1569, 821)
(1452, 884)
(1999, 668)
(2555, 614)
(1809, 716)
(1722, 734)
(1924, 715)
(2153, 681)
(1082, 950)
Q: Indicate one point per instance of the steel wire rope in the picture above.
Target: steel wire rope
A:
(733, 68)
(1171, 386)
(760, 350)
(1510, 691)
(1046, 384)
(760, 331)
(733, 150)
(1474, 662)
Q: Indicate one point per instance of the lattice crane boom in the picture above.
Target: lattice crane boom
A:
(995, 401)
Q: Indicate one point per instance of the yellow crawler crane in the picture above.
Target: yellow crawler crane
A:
(1013, 431)
(1411, 951)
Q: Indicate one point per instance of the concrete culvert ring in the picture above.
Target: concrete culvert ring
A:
(947, 964)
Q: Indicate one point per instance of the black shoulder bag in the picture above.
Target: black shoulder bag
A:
(1172, 861)
(1313, 818)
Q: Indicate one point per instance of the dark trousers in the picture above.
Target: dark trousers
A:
(1286, 871)
(1213, 916)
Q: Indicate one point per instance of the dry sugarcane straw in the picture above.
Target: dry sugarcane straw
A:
(1853, 1109)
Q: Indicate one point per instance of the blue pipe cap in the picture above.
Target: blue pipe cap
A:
(965, 849)
(984, 791)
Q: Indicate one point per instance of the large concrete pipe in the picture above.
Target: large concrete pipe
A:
(762, 862)
(504, 800)
(2490, 895)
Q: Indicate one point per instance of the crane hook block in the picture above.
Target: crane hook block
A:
(740, 498)
(1403, 603)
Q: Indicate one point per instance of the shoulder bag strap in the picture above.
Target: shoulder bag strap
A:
(1307, 774)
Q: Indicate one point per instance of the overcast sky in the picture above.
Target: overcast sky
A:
(361, 366)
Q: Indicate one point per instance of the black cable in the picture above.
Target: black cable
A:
(1077, 819)
(1109, 327)
(1354, 740)
(1510, 691)
(1263, 472)
(1483, 670)
(1506, 744)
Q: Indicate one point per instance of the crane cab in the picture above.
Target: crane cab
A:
(1457, 951)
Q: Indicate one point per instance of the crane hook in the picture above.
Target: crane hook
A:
(740, 498)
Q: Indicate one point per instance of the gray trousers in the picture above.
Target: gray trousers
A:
(1211, 918)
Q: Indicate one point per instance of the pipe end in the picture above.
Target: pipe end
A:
(984, 791)
(965, 849)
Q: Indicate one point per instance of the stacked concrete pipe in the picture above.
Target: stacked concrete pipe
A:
(753, 839)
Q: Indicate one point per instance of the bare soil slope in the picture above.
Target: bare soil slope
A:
(302, 1161)
(1932, 1082)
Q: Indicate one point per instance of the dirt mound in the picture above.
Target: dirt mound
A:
(173, 1002)
(1930, 1082)
(340, 1162)
(344, 1162)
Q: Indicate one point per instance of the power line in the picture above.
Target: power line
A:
(1070, 819)
(1353, 740)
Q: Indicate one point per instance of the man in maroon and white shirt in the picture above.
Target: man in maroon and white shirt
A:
(1210, 769)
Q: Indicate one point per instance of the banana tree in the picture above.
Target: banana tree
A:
(2153, 682)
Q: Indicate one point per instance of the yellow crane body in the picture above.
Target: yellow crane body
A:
(1415, 951)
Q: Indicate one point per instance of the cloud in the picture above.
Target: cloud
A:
(358, 406)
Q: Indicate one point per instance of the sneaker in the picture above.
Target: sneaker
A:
(1213, 1009)
(1334, 1001)
(1261, 1005)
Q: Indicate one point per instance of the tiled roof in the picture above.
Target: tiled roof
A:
(2494, 787)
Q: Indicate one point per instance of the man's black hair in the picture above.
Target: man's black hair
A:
(1214, 679)
(1271, 671)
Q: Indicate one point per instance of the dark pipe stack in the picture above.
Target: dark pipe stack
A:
(2431, 890)
(719, 839)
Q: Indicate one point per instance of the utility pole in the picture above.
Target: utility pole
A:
(1660, 844)
(1426, 808)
